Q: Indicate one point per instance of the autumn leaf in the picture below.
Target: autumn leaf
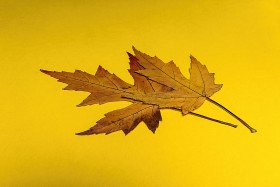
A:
(157, 85)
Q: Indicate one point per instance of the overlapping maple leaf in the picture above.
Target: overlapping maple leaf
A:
(157, 85)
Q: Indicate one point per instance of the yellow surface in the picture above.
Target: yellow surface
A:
(238, 40)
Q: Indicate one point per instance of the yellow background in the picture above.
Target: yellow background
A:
(238, 40)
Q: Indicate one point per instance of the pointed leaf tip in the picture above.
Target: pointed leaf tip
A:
(129, 54)
(192, 58)
(84, 133)
(44, 71)
(134, 49)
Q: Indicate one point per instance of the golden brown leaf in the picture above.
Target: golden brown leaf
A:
(157, 85)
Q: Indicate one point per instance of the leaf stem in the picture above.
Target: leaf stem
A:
(232, 114)
(212, 119)
(208, 118)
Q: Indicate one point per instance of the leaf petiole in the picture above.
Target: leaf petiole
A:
(212, 119)
(209, 118)
(232, 114)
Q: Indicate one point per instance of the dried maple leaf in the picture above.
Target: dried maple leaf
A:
(157, 85)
